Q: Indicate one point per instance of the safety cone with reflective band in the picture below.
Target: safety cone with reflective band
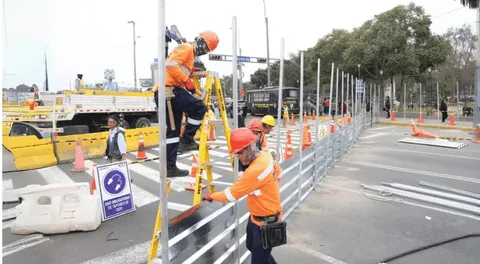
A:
(393, 115)
(305, 118)
(340, 123)
(476, 138)
(284, 122)
(332, 127)
(211, 133)
(314, 116)
(141, 155)
(79, 161)
(309, 135)
(292, 120)
(419, 133)
(420, 117)
(306, 139)
(93, 185)
(193, 174)
(452, 120)
(288, 148)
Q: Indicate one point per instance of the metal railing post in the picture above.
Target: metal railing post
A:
(302, 125)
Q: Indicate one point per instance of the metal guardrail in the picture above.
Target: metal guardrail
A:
(210, 237)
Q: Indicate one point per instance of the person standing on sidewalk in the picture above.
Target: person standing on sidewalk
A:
(116, 146)
(444, 109)
(387, 106)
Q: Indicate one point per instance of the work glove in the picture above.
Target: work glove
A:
(207, 197)
(190, 85)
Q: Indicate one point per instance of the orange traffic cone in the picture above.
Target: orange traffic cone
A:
(193, 174)
(211, 133)
(292, 120)
(93, 185)
(421, 134)
(309, 135)
(452, 120)
(305, 143)
(340, 123)
(420, 117)
(332, 127)
(476, 139)
(305, 118)
(288, 148)
(284, 122)
(416, 131)
(393, 115)
(79, 161)
(314, 116)
(141, 148)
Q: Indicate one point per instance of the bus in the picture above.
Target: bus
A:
(264, 101)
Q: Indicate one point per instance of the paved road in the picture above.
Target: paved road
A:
(132, 231)
(341, 222)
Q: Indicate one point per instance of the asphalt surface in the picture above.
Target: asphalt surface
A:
(127, 236)
(341, 222)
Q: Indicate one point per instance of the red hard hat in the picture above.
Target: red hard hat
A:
(211, 39)
(241, 138)
(255, 125)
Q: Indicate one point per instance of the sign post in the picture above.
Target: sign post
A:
(113, 181)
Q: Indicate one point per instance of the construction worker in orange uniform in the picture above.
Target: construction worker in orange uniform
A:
(260, 181)
(179, 66)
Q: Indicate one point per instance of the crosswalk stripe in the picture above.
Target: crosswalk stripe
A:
(54, 174)
(7, 185)
(8, 214)
(142, 197)
(26, 242)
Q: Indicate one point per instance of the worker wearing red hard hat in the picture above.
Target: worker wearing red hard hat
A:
(260, 181)
(257, 128)
(179, 66)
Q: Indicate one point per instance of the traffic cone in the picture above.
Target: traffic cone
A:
(416, 131)
(284, 122)
(93, 185)
(288, 148)
(332, 127)
(314, 116)
(309, 135)
(305, 118)
(452, 120)
(393, 115)
(79, 161)
(476, 139)
(193, 174)
(420, 117)
(211, 133)
(292, 120)
(306, 143)
(141, 148)
(421, 134)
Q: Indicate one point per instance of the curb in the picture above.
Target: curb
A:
(446, 127)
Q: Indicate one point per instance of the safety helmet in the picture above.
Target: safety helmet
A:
(268, 120)
(255, 125)
(211, 39)
(241, 138)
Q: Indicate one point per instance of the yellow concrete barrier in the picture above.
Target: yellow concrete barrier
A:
(397, 123)
(29, 152)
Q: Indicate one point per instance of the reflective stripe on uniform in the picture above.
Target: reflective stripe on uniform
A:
(173, 140)
(229, 195)
(256, 193)
(267, 171)
(194, 121)
(176, 64)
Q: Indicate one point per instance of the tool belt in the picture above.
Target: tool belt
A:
(272, 232)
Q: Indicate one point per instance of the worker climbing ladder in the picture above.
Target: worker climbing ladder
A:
(204, 162)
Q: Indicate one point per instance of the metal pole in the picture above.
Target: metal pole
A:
(476, 112)
(162, 138)
(356, 96)
(280, 89)
(302, 126)
(420, 98)
(353, 97)
(404, 102)
(458, 103)
(268, 44)
(438, 103)
(343, 86)
(235, 125)
(336, 92)
(331, 90)
(134, 56)
(318, 101)
(348, 82)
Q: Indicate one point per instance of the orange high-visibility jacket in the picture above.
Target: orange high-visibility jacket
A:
(260, 181)
(179, 66)
(264, 142)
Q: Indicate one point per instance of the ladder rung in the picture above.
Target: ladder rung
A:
(215, 122)
(156, 261)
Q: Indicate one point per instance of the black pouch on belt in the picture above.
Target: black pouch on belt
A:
(273, 234)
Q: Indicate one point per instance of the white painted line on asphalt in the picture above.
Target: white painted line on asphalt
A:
(379, 128)
(419, 152)
(316, 254)
(89, 165)
(7, 185)
(133, 255)
(178, 207)
(54, 174)
(222, 183)
(8, 224)
(23, 243)
(374, 135)
(404, 201)
(9, 213)
(142, 197)
(427, 173)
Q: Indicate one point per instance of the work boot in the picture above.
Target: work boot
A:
(185, 146)
(174, 171)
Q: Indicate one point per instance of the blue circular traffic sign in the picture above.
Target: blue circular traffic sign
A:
(114, 182)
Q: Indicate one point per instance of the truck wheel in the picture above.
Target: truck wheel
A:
(141, 122)
(124, 124)
(74, 130)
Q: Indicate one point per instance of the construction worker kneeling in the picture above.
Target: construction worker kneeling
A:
(179, 66)
(259, 181)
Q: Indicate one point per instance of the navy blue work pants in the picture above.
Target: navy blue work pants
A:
(254, 245)
(183, 101)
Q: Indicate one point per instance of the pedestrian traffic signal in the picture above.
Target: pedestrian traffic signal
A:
(215, 57)
(262, 60)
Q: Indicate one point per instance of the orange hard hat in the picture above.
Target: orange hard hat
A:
(255, 125)
(211, 39)
(241, 138)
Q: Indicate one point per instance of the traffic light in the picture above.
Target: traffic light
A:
(262, 60)
(215, 57)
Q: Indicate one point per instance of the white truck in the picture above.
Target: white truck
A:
(87, 111)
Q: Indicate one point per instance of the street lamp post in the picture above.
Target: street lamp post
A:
(381, 94)
(430, 97)
(134, 55)
(268, 46)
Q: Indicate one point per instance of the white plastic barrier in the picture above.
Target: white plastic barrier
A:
(58, 208)
(10, 196)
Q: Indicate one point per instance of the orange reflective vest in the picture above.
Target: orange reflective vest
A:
(261, 182)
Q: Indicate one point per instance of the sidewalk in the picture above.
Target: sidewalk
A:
(429, 123)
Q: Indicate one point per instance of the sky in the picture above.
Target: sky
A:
(89, 36)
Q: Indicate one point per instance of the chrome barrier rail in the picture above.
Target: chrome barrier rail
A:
(208, 235)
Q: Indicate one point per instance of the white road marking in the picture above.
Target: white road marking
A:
(142, 197)
(374, 135)
(7, 185)
(9, 213)
(54, 174)
(316, 254)
(379, 128)
(24, 243)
